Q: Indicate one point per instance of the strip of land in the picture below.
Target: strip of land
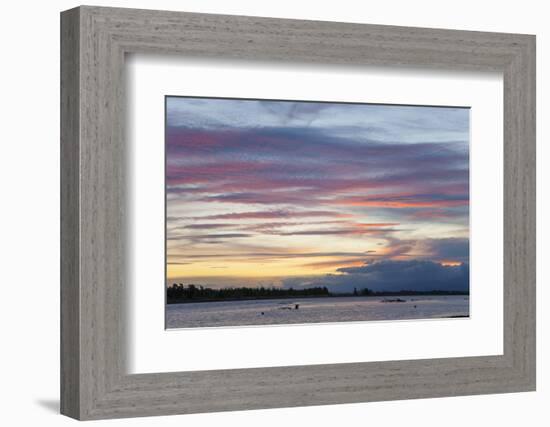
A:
(180, 294)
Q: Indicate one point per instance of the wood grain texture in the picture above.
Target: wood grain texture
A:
(70, 221)
(94, 380)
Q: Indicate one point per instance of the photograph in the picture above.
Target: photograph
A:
(296, 212)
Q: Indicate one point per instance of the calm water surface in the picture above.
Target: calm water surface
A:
(313, 310)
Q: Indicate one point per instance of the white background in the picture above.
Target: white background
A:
(29, 168)
(152, 349)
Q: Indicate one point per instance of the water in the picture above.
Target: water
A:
(313, 310)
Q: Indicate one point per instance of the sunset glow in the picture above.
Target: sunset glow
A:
(281, 193)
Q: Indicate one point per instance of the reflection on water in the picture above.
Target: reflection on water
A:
(314, 310)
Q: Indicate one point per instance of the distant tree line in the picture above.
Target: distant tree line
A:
(179, 293)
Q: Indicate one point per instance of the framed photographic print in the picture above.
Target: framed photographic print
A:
(381, 192)
(346, 212)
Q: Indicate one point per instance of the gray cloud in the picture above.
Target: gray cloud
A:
(453, 248)
(388, 275)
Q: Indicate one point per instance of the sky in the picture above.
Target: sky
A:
(299, 194)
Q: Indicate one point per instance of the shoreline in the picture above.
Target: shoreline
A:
(290, 297)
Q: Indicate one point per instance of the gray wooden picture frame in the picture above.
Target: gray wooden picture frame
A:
(94, 382)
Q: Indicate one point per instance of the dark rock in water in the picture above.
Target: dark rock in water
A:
(296, 306)
(393, 300)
